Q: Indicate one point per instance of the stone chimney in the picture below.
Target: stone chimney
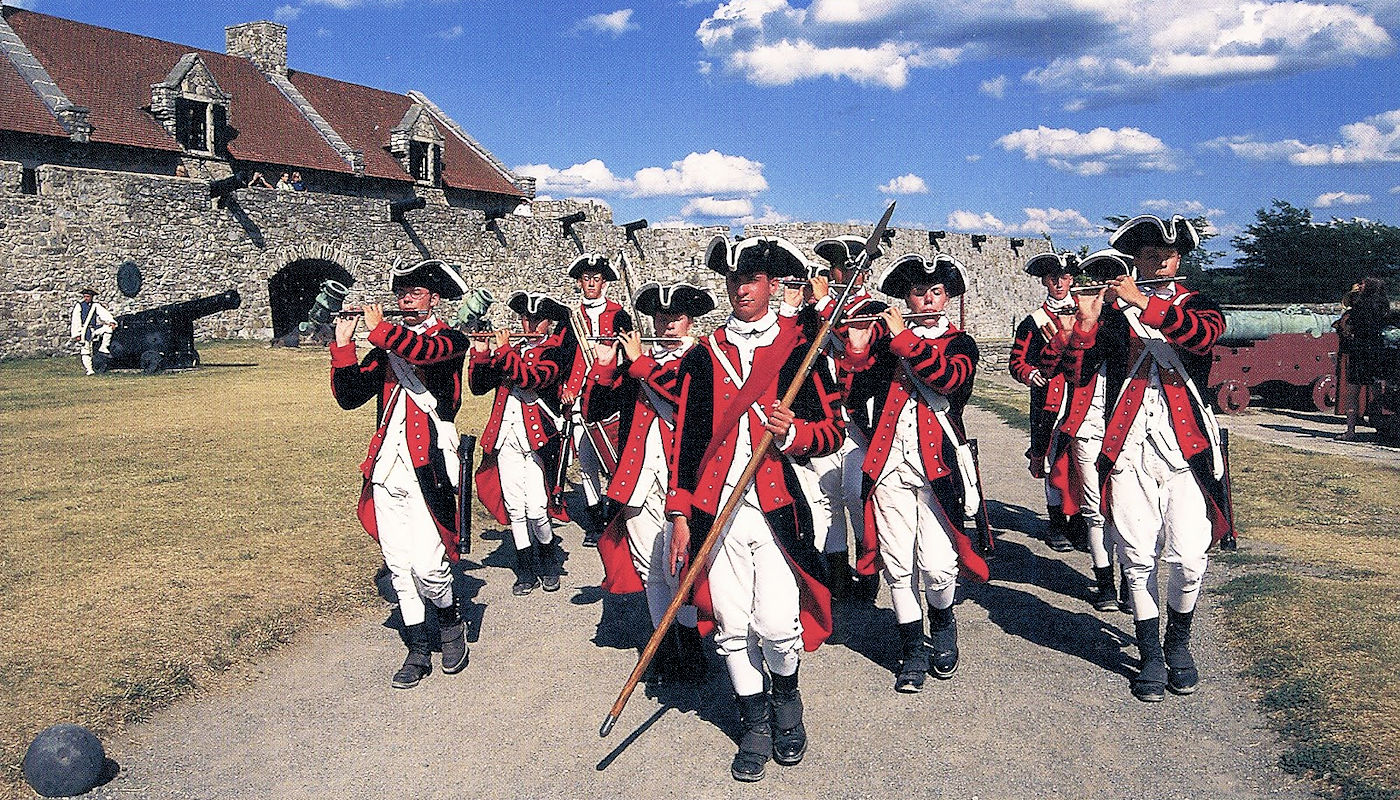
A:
(263, 43)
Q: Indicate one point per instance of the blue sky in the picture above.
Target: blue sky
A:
(1006, 117)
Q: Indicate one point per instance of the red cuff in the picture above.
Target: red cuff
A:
(642, 368)
(801, 440)
(904, 342)
(379, 337)
(343, 355)
(1156, 312)
(679, 501)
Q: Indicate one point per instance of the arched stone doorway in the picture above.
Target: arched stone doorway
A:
(293, 289)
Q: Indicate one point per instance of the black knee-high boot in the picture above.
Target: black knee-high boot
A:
(789, 736)
(756, 738)
(1104, 597)
(1151, 682)
(527, 571)
(419, 661)
(943, 641)
(1182, 676)
(452, 639)
(913, 665)
(1056, 537)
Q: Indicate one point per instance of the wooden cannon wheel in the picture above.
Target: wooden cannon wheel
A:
(1324, 394)
(1232, 397)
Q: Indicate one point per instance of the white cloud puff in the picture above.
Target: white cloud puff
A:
(286, 13)
(905, 184)
(1334, 199)
(1186, 208)
(715, 208)
(996, 87)
(1038, 221)
(448, 34)
(1374, 140)
(613, 24)
(1096, 152)
(711, 173)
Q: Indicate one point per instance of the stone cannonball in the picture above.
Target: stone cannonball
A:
(63, 761)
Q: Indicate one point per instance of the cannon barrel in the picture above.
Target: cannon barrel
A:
(1243, 326)
(163, 337)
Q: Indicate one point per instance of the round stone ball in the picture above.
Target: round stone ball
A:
(63, 761)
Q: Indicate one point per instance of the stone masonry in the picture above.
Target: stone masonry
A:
(83, 224)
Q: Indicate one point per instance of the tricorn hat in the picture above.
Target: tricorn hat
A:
(87, 290)
(865, 307)
(538, 305)
(677, 298)
(774, 257)
(1150, 231)
(842, 250)
(1105, 265)
(592, 262)
(1044, 264)
(432, 274)
(913, 269)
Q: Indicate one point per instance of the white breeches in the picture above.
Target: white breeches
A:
(810, 476)
(755, 599)
(523, 492)
(911, 529)
(649, 539)
(839, 480)
(1085, 453)
(1160, 516)
(413, 550)
(590, 466)
(103, 343)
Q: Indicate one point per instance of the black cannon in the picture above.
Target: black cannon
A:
(163, 338)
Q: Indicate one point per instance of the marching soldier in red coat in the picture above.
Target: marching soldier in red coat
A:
(522, 441)
(919, 475)
(761, 586)
(1035, 349)
(635, 545)
(407, 502)
(596, 444)
(1162, 464)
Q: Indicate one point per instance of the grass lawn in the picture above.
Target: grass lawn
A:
(160, 529)
(1310, 604)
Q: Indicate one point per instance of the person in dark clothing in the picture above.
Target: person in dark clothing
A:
(1359, 341)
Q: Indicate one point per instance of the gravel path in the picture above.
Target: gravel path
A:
(1039, 709)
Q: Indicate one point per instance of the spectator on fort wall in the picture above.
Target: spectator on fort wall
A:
(284, 183)
(297, 184)
(1359, 346)
(259, 182)
(181, 171)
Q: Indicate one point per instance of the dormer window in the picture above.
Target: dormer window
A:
(192, 107)
(417, 145)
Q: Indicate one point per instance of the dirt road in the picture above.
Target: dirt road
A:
(1039, 709)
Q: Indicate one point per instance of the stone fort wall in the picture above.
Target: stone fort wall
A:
(75, 227)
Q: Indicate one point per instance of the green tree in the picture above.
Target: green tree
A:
(1288, 257)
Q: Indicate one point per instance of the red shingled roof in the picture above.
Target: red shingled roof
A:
(80, 59)
(363, 117)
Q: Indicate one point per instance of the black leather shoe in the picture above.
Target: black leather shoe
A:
(419, 661)
(1182, 676)
(1150, 685)
(452, 638)
(914, 665)
(943, 643)
(789, 736)
(756, 741)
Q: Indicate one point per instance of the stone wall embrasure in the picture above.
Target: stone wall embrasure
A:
(83, 224)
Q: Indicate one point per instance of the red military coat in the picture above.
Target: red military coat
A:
(436, 355)
(613, 319)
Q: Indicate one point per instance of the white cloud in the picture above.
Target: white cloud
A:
(1333, 199)
(1103, 48)
(1395, 190)
(1039, 221)
(1374, 140)
(1186, 208)
(1096, 152)
(323, 32)
(972, 158)
(712, 173)
(701, 173)
(768, 217)
(286, 13)
(715, 208)
(448, 34)
(905, 184)
(704, 67)
(614, 24)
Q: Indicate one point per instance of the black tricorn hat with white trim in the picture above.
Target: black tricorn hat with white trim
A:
(677, 298)
(915, 270)
(592, 262)
(840, 251)
(1043, 264)
(432, 274)
(1150, 231)
(1105, 265)
(865, 307)
(538, 305)
(774, 257)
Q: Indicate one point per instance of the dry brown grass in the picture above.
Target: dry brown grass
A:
(160, 529)
(1311, 604)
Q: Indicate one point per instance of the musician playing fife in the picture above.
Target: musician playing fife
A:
(407, 501)
(1161, 462)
